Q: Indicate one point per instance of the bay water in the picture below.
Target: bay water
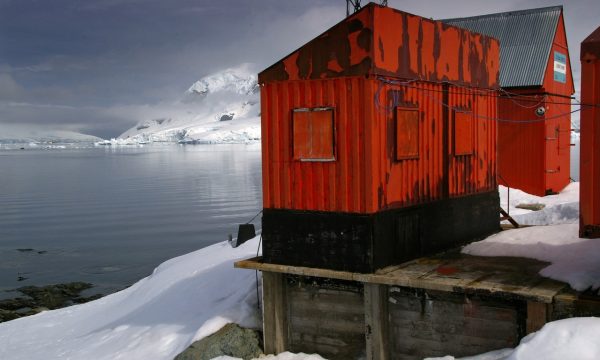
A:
(109, 215)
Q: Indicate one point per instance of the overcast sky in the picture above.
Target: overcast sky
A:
(94, 65)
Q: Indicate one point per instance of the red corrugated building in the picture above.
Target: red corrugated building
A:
(534, 110)
(589, 194)
(379, 143)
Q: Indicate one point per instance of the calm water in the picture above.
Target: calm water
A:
(109, 215)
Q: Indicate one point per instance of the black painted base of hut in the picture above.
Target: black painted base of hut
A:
(365, 243)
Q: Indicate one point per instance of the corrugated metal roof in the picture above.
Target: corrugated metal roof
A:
(525, 41)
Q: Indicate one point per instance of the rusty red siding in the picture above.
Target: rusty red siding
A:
(366, 176)
(437, 172)
(589, 196)
(361, 69)
(331, 186)
(521, 149)
(388, 42)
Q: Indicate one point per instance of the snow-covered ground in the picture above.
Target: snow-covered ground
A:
(575, 338)
(557, 209)
(183, 300)
(575, 261)
(220, 108)
(192, 296)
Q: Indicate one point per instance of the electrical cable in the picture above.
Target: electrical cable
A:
(395, 103)
(482, 92)
(255, 216)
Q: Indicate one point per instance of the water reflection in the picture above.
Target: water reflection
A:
(110, 215)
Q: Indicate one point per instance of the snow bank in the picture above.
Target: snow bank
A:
(558, 209)
(575, 338)
(574, 260)
(185, 299)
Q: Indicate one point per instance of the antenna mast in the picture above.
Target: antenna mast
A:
(354, 5)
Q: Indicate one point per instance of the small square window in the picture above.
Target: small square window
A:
(313, 134)
(463, 132)
(407, 133)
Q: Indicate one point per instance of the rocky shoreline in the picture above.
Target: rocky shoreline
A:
(36, 299)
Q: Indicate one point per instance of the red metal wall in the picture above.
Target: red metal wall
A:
(438, 172)
(521, 144)
(558, 143)
(558, 117)
(333, 186)
(353, 68)
(559, 44)
(365, 176)
(589, 195)
(534, 151)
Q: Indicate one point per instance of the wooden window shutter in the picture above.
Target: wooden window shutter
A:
(407, 133)
(463, 132)
(313, 134)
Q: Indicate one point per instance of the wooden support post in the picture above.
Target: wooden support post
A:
(376, 321)
(589, 159)
(275, 326)
(537, 315)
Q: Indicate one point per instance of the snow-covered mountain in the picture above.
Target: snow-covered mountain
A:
(219, 108)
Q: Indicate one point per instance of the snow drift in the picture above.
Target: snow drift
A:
(185, 299)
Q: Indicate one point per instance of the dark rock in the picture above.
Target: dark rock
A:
(226, 117)
(42, 298)
(55, 296)
(231, 340)
(532, 207)
(6, 315)
(15, 304)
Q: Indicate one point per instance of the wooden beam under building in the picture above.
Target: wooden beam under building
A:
(275, 327)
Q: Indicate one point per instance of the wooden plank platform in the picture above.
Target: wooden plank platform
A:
(506, 277)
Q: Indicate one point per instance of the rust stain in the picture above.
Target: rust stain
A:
(291, 67)
(334, 66)
(359, 46)
(388, 42)
(381, 51)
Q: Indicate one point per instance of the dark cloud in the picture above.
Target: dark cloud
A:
(101, 59)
